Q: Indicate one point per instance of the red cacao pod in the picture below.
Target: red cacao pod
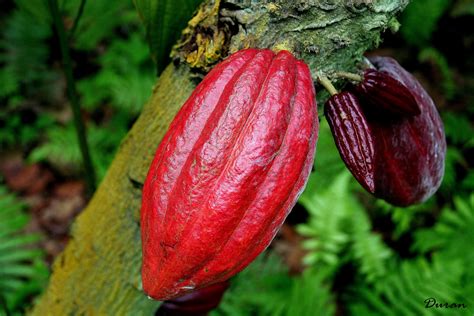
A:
(407, 165)
(386, 94)
(228, 171)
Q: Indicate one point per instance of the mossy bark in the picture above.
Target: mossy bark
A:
(99, 272)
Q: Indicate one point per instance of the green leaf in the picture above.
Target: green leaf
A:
(310, 295)
(17, 241)
(458, 128)
(19, 255)
(17, 270)
(329, 210)
(260, 289)
(9, 82)
(468, 182)
(420, 18)
(406, 218)
(164, 21)
(454, 157)
(37, 9)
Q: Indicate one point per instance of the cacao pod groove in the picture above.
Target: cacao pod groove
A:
(228, 171)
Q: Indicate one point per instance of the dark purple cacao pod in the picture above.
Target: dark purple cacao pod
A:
(352, 136)
(407, 165)
(228, 171)
(385, 94)
(410, 153)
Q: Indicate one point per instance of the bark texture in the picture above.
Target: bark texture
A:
(99, 272)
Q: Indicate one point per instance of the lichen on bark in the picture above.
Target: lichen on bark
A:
(328, 34)
(99, 272)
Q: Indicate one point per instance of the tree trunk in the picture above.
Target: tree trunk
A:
(99, 272)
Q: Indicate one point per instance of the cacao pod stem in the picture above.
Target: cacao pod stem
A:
(326, 83)
(349, 75)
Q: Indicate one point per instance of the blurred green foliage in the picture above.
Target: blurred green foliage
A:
(114, 72)
(61, 148)
(419, 20)
(125, 78)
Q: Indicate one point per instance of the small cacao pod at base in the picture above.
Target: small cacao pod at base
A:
(227, 172)
(197, 303)
(406, 165)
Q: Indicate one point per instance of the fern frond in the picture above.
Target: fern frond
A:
(406, 218)
(125, 79)
(448, 84)
(22, 272)
(61, 148)
(265, 288)
(260, 289)
(23, 51)
(328, 162)
(371, 254)
(339, 229)
(329, 211)
(453, 229)
(310, 295)
(448, 278)
(406, 288)
(99, 20)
